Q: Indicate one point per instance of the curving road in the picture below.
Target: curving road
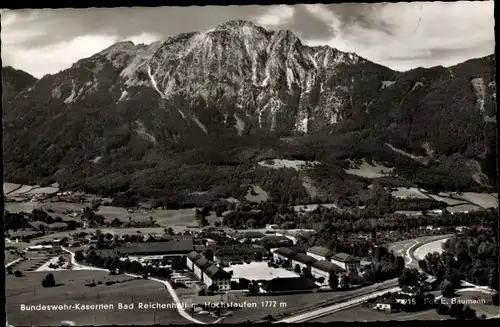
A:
(179, 305)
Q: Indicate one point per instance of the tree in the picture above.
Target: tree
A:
(442, 309)
(18, 273)
(447, 289)
(306, 272)
(345, 281)
(213, 288)
(208, 254)
(253, 287)
(333, 281)
(116, 222)
(409, 277)
(9, 270)
(49, 281)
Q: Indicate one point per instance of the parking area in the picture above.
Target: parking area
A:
(259, 271)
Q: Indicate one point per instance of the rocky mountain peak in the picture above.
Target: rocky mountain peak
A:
(237, 24)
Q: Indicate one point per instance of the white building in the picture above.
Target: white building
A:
(191, 258)
(348, 262)
(200, 265)
(217, 276)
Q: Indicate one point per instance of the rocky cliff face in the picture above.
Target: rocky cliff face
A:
(234, 81)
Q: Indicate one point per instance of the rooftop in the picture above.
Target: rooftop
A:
(253, 235)
(203, 263)
(215, 272)
(275, 238)
(304, 258)
(320, 250)
(171, 247)
(285, 252)
(193, 255)
(238, 249)
(327, 266)
(344, 257)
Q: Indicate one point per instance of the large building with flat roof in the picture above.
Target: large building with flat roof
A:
(165, 248)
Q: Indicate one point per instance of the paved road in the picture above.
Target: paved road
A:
(405, 248)
(336, 307)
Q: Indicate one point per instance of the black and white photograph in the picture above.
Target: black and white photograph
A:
(256, 164)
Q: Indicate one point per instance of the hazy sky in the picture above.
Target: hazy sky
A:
(398, 35)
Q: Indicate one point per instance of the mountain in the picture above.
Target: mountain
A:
(191, 114)
(14, 81)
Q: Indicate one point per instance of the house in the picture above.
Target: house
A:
(384, 305)
(348, 262)
(253, 236)
(227, 253)
(272, 241)
(431, 283)
(191, 258)
(282, 254)
(165, 248)
(303, 261)
(217, 276)
(323, 269)
(319, 253)
(288, 285)
(200, 265)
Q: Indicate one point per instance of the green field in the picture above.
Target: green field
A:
(27, 290)
(275, 305)
(167, 218)
(365, 314)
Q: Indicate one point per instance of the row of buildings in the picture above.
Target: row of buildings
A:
(320, 261)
